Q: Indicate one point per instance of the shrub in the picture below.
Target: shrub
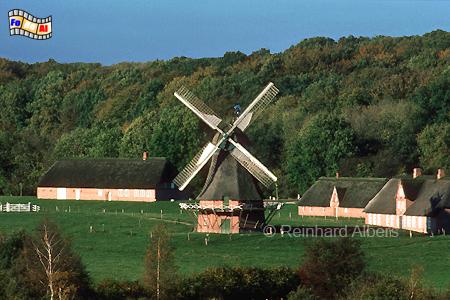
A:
(329, 266)
(239, 283)
(117, 290)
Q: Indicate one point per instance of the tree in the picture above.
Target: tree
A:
(160, 269)
(329, 266)
(97, 142)
(434, 146)
(317, 149)
(51, 267)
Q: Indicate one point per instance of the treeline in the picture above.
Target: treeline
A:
(364, 106)
(43, 265)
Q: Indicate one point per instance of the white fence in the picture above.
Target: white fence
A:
(12, 207)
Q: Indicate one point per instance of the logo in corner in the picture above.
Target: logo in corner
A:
(25, 24)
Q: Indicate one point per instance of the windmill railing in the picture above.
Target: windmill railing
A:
(219, 207)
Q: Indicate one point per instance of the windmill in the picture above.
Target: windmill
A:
(230, 200)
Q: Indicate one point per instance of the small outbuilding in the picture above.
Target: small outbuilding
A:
(339, 196)
(420, 204)
(110, 179)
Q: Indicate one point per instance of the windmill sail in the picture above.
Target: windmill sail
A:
(254, 166)
(196, 164)
(256, 107)
(198, 107)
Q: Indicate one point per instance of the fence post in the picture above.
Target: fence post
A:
(7, 206)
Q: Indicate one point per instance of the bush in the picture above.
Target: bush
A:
(239, 283)
(374, 286)
(329, 266)
(118, 290)
(302, 293)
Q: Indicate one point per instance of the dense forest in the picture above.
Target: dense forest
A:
(364, 106)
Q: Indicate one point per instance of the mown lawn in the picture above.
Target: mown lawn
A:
(120, 233)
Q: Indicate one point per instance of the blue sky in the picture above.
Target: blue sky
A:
(110, 31)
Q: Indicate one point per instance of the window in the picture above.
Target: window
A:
(100, 193)
(147, 194)
(120, 192)
(141, 193)
(136, 193)
(419, 222)
(378, 219)
(408, 221)
(126, 193)
(369, 217)
(413, 222)
(346, 210)
(387, 220)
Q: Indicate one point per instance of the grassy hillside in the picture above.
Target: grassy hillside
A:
(363, 106)
(117, 244)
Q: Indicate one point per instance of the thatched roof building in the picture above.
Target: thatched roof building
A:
(352, 192)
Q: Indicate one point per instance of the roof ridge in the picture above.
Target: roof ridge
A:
(354, 178)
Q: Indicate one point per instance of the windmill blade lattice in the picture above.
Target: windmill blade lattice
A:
(198, 107)
(256, 107)
(195, 165)
(254, 166)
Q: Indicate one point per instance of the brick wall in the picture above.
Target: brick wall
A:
(210, 222)
(141, 195)
(331, 211)
(413, 223)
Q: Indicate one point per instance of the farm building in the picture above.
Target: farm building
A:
(420, 203)
(144, 180)
(339, 197)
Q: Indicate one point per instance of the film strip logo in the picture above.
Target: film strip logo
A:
(23, 23)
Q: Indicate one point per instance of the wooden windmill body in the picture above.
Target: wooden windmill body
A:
(230, 201)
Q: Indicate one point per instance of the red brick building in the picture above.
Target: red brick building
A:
(144, 180)
(420, 204)
(339, 197)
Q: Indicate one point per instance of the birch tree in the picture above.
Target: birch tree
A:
(160, 270)
(50, 261)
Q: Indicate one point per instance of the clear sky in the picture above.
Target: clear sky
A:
(112, 31)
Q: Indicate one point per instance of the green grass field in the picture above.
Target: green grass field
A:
(116, 247)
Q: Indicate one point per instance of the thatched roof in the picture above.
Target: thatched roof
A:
(227, 178)
(433, 196)
(428, 194)
(384, 200)
(108, 173)
(352, 192)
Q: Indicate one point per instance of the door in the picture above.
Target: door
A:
(61, 193)
(225, 227)
(77, 194)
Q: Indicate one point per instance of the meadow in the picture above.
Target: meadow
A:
(112, 237)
